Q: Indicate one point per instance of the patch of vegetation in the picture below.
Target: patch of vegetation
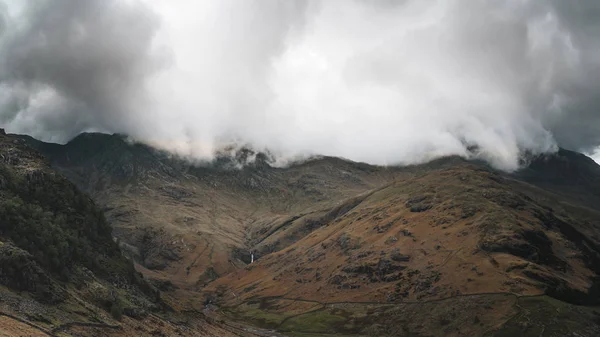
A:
(544, 316)
(209, 275)
(314, 322)
(116, 309)
(55, 238)
(19, 270)
(59, 226)
(347, 242)
(254, 314)
(383, 270)
(156, 249)
(420, 203)
(395, 255)
(471, 315)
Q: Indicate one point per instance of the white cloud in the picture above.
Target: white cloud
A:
(377, 81)
(595, 155)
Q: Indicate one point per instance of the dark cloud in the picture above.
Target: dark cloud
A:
(577, 125)
(73, 65)
(380, 81)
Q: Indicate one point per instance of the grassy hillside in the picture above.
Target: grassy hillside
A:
(61, 271)
(451, 247)
(445, 235)
(186, 223)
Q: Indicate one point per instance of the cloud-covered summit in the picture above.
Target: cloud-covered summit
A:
(378, 81)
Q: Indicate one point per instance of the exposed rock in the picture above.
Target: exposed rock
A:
(420, 203)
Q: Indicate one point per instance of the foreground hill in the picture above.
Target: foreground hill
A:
(447, 248)
(61, 273)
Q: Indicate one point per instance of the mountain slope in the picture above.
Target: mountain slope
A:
(450, 247)
(448, 231)
(60, 270)
(461, 236)
(187, 224)
(570, 174)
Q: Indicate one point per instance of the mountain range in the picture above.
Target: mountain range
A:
(120, 238)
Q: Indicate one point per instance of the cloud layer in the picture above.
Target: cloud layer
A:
(381, 81)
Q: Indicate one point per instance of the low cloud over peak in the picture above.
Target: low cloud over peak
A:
(379, 81)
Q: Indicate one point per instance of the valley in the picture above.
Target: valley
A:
(448, 248)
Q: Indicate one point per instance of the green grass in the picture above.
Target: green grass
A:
(314, 322)
(476, 315)
(252, 314)
(544, 317)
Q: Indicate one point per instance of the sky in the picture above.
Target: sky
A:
(381, 81)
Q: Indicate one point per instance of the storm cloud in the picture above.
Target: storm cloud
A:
(69, 65)
(387, 82)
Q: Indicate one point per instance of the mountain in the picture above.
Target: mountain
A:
(61, 272)
(181, 222)
(451, 247)
(572, 175)
(462, 237)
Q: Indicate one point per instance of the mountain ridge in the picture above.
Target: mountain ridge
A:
(327, 230)
(60, 269)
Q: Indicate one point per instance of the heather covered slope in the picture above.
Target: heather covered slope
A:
(61, 272)
(58, 228)
(189, 223)
(451, 247)
(456, 230)
(456, 234)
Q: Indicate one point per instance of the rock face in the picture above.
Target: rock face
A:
(329, 234)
